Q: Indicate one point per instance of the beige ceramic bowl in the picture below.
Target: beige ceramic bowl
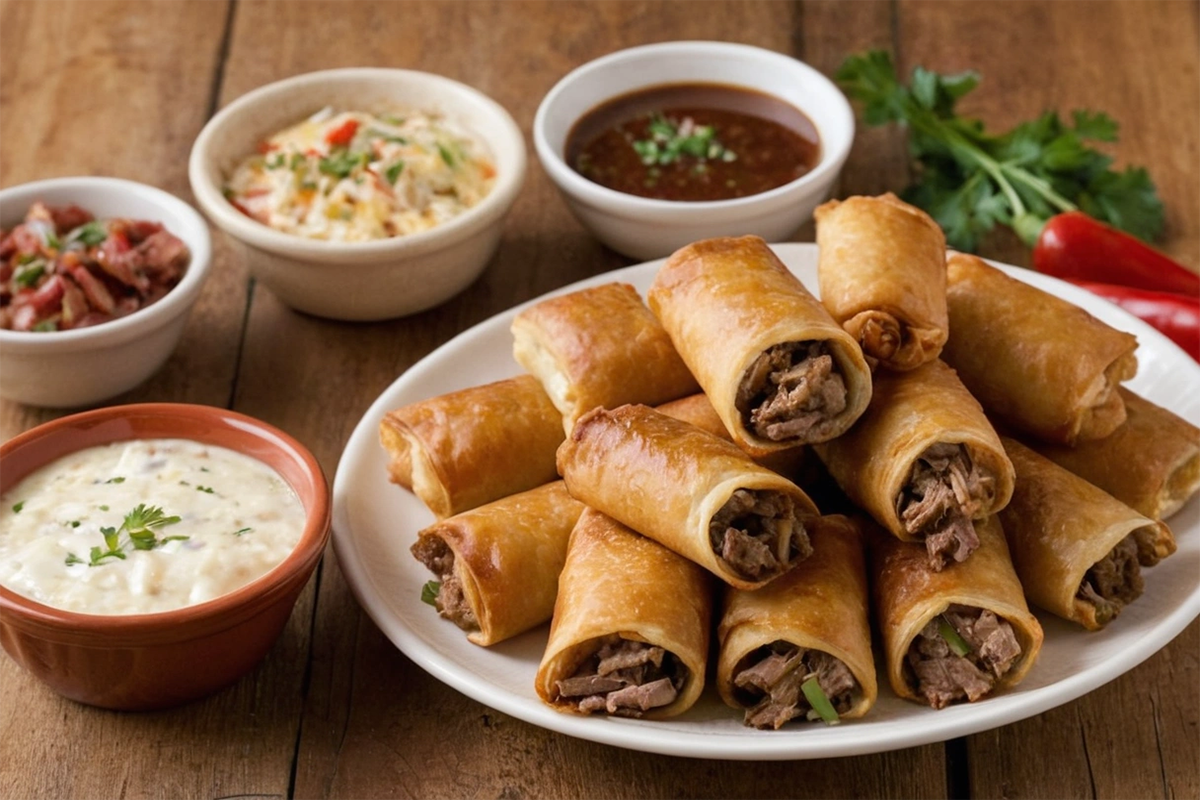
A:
(65, 369)
(146, 661)
(360, 280)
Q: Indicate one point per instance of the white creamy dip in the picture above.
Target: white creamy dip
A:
(239, 517)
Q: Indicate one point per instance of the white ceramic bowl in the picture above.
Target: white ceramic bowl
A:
(360, 280)
(646, 228)
(65, 369)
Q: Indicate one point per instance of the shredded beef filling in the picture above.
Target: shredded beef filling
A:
(758, 533)
(792, 391)
(451, 603)
(625, 678)
(945, 678)
(769, 684)
(945, 491)
(1113, 581)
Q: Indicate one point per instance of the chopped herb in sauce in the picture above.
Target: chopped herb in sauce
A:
(243, 531)
(117, 479)
(205, 489)
(18, 506)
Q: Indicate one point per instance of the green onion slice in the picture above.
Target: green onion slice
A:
(429, 592)
(958, 645)
(819, 702)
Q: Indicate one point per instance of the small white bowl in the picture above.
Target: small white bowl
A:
(83, 366)
(360, 280)
(646, 228)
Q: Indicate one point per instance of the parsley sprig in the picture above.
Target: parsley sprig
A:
(970, 180)
(138, 531)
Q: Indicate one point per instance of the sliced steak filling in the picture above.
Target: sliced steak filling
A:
(768, 684)
(625, 678)
(1113, 581)
(451, 603)
(943, 677)
(792, 392)
(758, 533)
(946, 489)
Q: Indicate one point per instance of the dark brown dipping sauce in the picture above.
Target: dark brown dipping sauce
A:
(693, 142)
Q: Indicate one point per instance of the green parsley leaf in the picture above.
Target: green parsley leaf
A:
(73, 559)
(242, 531)
(138, 526)
(205, 489)
(393, 172)
(117, 479)
(429, 592)
(342, 162)
(16, 509)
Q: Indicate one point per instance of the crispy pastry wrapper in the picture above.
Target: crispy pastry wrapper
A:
(909, 412)
(821, 604)
(697, 410)
(599, 347)
(908, 593)
(666, 479)
(1043, 365)
(1151, 463)
(726, 301)
(507, 556)
(1058, 525)
(616, 582)
(463, 449)
(882, 270)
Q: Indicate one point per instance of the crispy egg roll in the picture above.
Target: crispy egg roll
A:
(463, 449)
(777, 368)
(1151, 463)
(960, 634)
(631, 626)
(690, 491)
(924, 461)
(812, 622)
(599, 347)
(697, 410)
(1079, 551)
(1043, 365)
(882, 271)
(497, 565)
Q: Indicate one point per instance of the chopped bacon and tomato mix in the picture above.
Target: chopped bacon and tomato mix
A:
(353, 176)
(62, 268)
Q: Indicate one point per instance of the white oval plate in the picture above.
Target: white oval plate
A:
(375, 523)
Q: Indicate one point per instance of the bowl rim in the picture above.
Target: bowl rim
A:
(492, 207)
(833, 153)
(153, 316)
(187, 622)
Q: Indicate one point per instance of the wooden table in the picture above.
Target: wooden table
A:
(122, 89)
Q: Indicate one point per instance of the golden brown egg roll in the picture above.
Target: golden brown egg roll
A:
(463, 449)
(631, 626)
(882, 270)
(1078, 550)
(697, 410)
(497, 565)
(960, 634)
(778, 369)
(1151, 463)
(811, 621)
(599, 347)
(924, 461)
(696, 494)
(1043, 365)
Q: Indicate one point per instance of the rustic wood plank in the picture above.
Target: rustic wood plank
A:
(1138, 62)
(122, 89)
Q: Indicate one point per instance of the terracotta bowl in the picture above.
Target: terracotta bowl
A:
(149, 661)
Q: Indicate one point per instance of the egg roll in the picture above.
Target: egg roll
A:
(924, 461)
(1043, 365)
(1079, 551)
(463, 449)
(776, 366)
(812, 622)
(697, 410)
(957, 635)
(630, 629)
(690, 491)
(1151, 463)
(497, 565)
(599, 347)
(882, 272)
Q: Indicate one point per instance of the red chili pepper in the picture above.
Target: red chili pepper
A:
(1175, 315)
(341, 135)
(1074, 246)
